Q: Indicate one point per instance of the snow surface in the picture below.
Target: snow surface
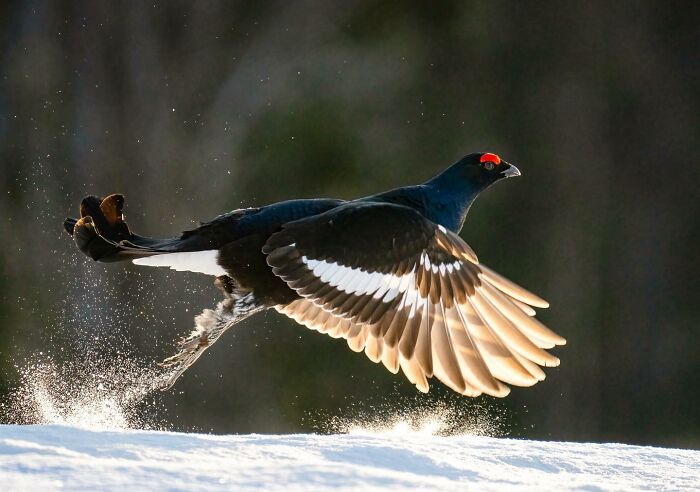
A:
(52, 457)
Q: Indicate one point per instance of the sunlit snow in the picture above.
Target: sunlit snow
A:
(51, 457)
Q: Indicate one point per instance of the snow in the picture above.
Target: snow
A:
(53, 457)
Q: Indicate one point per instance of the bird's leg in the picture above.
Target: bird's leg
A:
(209, 325)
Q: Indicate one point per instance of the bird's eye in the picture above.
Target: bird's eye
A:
(488, 165)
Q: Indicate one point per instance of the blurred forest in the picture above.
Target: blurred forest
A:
(194, 108)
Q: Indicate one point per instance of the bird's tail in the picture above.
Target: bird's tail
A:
(102, 234)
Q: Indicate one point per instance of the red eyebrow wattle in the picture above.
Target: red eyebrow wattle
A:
(488, 157)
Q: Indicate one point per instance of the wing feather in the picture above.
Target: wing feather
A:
(512, 289)
(390, 359)
(500, 360)
(509, 333)
(527, 324)
(444, 356)
(422, 304)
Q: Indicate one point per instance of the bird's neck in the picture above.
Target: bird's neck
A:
(440, 204)
(448, 199)
(447, 208)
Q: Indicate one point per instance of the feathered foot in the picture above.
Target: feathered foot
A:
(209, 325)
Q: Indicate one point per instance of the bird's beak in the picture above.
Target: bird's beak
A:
(510, 171)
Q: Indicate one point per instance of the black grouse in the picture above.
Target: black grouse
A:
(388, 273)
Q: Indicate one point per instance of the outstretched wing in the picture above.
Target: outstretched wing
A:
(411, 294)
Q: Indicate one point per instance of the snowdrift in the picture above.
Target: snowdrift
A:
(51, 457)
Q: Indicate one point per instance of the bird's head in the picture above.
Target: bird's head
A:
(453, 191)
(474, 173)
(482, 169)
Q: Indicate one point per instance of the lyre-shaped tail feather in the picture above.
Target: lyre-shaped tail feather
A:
(102, 233)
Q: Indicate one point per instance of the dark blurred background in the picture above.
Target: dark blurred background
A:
(194, 108)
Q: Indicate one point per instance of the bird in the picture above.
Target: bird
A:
(388, 273)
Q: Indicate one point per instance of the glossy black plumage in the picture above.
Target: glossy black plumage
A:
(387, 272)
